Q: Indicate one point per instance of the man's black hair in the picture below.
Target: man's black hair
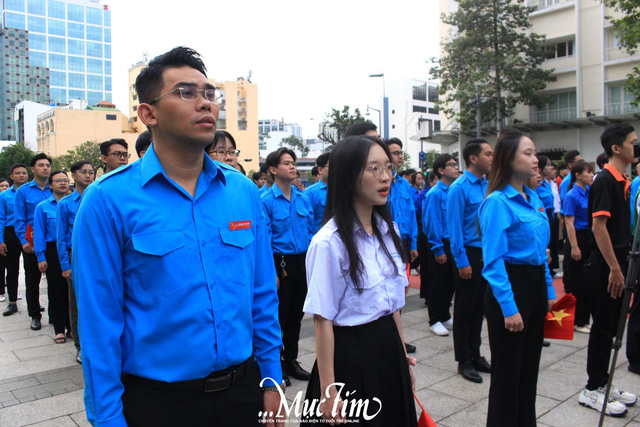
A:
(314, 171)
(562, 166)
(360, 128)
(472, 148)
(4, 180)
(78, 165)
(39, 156)
(143, 142)
(149, 82)
(615, 135)
(273, 159)
(393, 141)
(406, 172)
(441, 163)
(256, 176)
(19, 165)
(104, 147)
(323, 159)
(570, 157)
(264, 168)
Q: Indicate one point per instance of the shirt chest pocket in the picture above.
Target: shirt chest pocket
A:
(532, 225)
(475, 198)
(237, 255)
(161, 260)
(51, 224)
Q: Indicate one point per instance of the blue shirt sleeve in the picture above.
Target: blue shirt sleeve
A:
(62, 235)
(569, 205)
(20, 215)
(456, 201)
(435, 223)
(413, 228)
(39, 232)
(3, 215)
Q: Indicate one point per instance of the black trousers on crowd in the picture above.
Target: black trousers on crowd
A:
(606, 315)
(32, 278)
(291, 296)
(468, 310)
(73, 312)
(239, 405)
(554, 226)
(424, 252)
(573, 278)
(633, 332)
(58, 291)
(515, 356)
(12, 262)
(442, 278)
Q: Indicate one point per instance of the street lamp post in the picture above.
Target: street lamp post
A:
(379, 115)
(384, 103)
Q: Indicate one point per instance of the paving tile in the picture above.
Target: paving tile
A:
(20, 384)
(50, 387)
(439, 405)
(43, 409)
(472, 416)
(571, 413)
(426, 376)
(38, 365)
(25, 343)
(458, 387)
(80, 418)
(56, 422)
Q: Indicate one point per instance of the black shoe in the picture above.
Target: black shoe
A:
(11, 308)
(293, 369)
(410, 348)
(35, 324)
(41, 309)
(546, 343)
(469, 373)
(79, 357)
(481, 365)
(634, 369)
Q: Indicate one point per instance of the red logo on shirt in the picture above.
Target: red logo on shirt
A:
(541, 209)
(239, 225)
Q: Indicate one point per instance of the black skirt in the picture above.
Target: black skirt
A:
(370, 360)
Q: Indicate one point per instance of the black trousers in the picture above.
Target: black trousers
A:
(58, 291)
(291, 296)
(424, 252)
(238, 405)
(468, 310)
(442, 278)
(73, 312)
(32, 278)
(12, 262)
(573, 278)
(606, 314)
(633, 332)
(554, 226)
(515, 356)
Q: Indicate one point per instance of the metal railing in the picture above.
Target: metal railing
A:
(553, 115)
(621, 108)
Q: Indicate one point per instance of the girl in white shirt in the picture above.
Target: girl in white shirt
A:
(356, 283)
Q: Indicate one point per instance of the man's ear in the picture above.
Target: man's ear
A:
(146, 114)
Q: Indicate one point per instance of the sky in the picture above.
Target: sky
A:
(306, 57)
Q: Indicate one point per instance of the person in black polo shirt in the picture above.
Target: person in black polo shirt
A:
(604, 272)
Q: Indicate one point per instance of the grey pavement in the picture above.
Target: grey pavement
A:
(41, 384)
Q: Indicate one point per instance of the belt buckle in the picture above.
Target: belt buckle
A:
(213, 384)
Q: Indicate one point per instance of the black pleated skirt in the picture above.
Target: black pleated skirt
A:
(370, 360)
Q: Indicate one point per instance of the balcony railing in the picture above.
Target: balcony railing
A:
(553, 115)
(615, 53)
(621, 108)
(543, 4)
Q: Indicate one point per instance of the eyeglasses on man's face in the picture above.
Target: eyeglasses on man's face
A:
(224, 153)
(120, 155)
(85, 171)
(60, 180)
(398, 153)
(452, 164)
(192, 93)
(378, 171)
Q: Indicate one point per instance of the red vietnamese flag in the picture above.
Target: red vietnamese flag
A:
(558, 324)
(425, 420)
(29, 235)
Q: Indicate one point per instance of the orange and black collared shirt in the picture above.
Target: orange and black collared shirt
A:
(609, 197)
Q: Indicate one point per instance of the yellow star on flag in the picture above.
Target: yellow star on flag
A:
(558, 316)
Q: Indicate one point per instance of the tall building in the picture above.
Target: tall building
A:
(590, 70)
(275, 125)
(72, 38)
(238, 114)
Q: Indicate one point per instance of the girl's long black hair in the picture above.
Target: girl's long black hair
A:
(348, 161)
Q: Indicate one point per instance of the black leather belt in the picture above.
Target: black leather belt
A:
(216, 381)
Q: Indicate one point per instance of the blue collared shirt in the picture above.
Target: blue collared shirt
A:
(517, 232)
(290, 222)
(575, 204)
(564, 186)
(546, 194)
(181, 285)
(28, 196)
(418, 203)
(465, 195)
(403, 211)
(44, 226)
(7, 200)
(67, 209)
(434, 217)
(317, 195)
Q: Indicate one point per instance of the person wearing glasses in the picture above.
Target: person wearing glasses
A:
(224, 149)
(114, 154)
(44, 244)
(357, 282)
(442, 268)
(27, 198)
(172, 268)
(290, 222)
(82, 174)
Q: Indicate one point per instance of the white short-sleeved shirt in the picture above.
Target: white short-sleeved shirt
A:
(331, 292)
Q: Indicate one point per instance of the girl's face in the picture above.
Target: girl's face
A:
(224, 152)
(3, 186)
(549, 171)
(373, 187)
(525, 162)
(419, 180)
(585, 177)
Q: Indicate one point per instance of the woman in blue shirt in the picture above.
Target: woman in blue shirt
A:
(44, 245)
(515, 227)
(577, 246)
(356, 278)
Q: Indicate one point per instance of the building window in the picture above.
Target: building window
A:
(36, 7)
(94, 66)
(107, 67)
(37, 59)
(15, 5)
(77, 94)
(107, 96)
(135, 108)
(94, 16)
(56, 9)
(433, 111)
(76, 80)
(37, 42)
(418, 109)
(393, 126)
(94, 97)
(107, 18)
(22, 62)
(76, 47)
(56, 28)
(433, 93)
(39, 25)
(75, 13)
(58, 96)
(58, 78)
(619, 101)
(112, 117)
(559, 50)
(22, 35)
(76, 30)
(94, 49)
(14, 20)
(107, 51)
(94, 33)
(12, 42)
(107, 35)
(57, 44)
(43, 81)
(107, 85)
(94, 82)
(419, 91)
(57, 62)
(436, 125)
(76, 63)
(561, 106)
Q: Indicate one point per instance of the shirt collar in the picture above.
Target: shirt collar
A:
(277, 192)
(321, 184)
(512, 192)
(473, 178)
(583, 193)
(617, 175)
(33, 183)
(75, 195)
(380, 224)
(150, 166)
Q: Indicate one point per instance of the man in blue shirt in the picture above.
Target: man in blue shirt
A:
(317, 193)
(10, 246)
(463, 203)
(82, 174)
(114, 154)
(171, 264)
(27, 198)
(442, 273)
(290, 223)
(571, 157)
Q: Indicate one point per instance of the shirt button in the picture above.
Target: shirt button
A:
(204, 243)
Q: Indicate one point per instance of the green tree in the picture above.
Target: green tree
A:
(337, 122)
(627, 29)
(295, 143)
(12, 154)
(89, 151)
(490, 46)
